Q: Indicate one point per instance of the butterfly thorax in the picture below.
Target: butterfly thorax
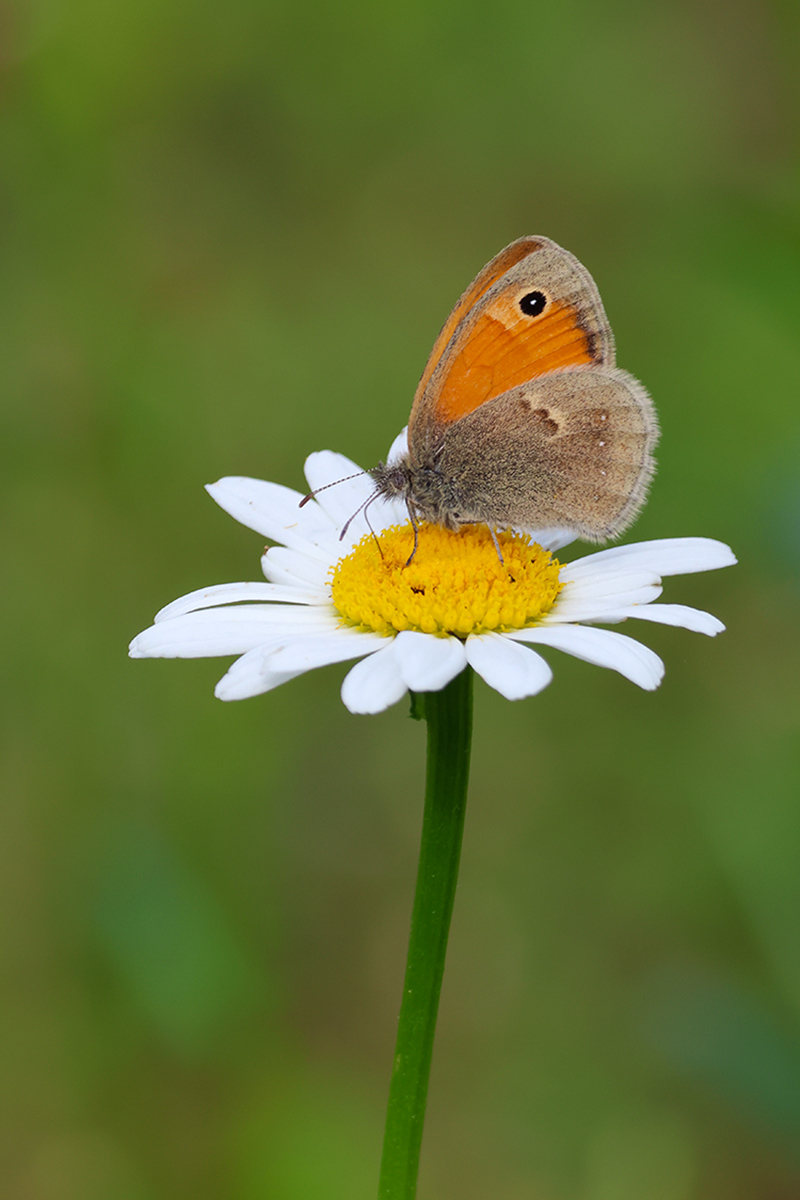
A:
(427, 492)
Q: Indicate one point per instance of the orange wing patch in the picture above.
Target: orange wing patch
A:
(505, 348)
(490, 274)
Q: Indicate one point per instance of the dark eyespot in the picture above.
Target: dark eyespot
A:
(533, 303)
(548, 426)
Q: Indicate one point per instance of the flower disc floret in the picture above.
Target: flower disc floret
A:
(455, 583)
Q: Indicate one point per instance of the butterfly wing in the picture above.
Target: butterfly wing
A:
(571, 449)
(532, 310)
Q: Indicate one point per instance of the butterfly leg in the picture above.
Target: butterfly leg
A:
(412, 518)
(376, 539)
(497, 546)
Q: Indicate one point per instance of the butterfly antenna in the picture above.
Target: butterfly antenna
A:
(325, 486)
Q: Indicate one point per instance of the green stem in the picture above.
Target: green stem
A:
(449, 717)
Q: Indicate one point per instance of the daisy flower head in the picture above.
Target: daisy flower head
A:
(413, 626)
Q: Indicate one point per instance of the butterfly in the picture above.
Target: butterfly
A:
(521, 418)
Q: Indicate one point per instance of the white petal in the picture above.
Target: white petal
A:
(383, 512)
(230, 630)
(510, 669)
(343, 501)
(569, 608)
(602, 647)
(249, 676)
(610, 581)
(428, 663)
(324, 467)
(346, 486)
(676, 614)
(376, 516)
(375, 683)
(550, 539)
(291, 567)
(379, 515)
(303, 654)
(281, 577)
(273, 511)
(229, 593)
(665, 556)
(398, 448)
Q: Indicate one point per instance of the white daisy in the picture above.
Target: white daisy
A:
(415, 627)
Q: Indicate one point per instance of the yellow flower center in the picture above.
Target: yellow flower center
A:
(454, 584)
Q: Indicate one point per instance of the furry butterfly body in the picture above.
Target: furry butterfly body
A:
(521, 418)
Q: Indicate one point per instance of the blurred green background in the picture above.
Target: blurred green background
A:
(230, 235)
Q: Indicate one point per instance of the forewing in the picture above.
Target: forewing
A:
(494, 340)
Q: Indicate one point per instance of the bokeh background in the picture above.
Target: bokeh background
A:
(229, 235)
